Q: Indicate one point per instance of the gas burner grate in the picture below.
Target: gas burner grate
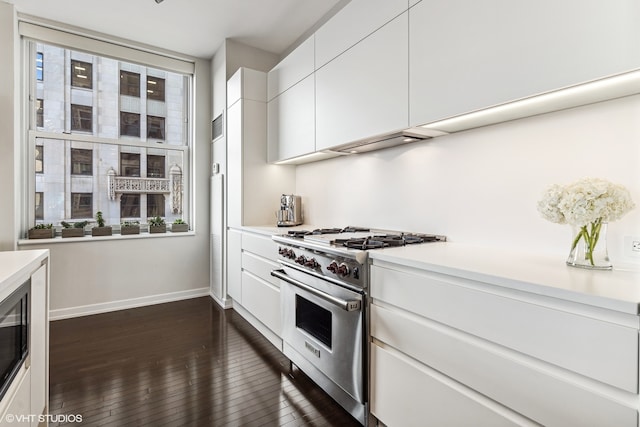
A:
(389, 240)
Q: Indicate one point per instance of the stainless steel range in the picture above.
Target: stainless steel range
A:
(325, 282)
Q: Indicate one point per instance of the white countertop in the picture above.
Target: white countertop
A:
(540, 274)
(18, 266)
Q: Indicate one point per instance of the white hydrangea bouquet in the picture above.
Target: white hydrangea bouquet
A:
(588, 205)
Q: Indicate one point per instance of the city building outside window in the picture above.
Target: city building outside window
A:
(81, 161)
(155, 88)
(39, 205)
(81, 205)
(129, 164)
(40, 113)
(81, 74)
(130, 206)
(105, 113)
(129, 83)
(81, 118)
(39, 159)
(155, 127)
(155, 205)
(155, 166)
(39, 66)
(129, 124)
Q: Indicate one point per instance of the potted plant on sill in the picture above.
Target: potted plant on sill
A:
(42, 231)
(73, 230)
(157, 225)
(101, 229)
(130, 227)
(179, 226)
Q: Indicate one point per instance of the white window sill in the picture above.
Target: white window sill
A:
(90, 238)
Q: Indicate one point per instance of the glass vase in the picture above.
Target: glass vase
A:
(589, 247)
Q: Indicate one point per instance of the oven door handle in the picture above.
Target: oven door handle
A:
(352, 305)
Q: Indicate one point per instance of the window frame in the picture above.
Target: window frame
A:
(33, 32)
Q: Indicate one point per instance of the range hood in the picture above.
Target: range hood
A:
(387, 140)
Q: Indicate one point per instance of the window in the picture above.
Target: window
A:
(155, 88)
(81, 161)
(40, 113)
(129, 164)
(155, 205)
(130, 206)
(129, 83)
(129, 124)
(39, 205)
(39, 159)
(95, 129)
(81, 74)
(155, 166)
(39, 66)
(155, 127)
(81, 118)
(81, 205)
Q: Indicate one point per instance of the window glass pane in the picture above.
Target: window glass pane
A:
(39, 205)
(129, 83)
(39, 66)
(129, 164)
(39, 159)
(155, 166)
(81, 161)
(129, 124)
(130, 206)
(39, 113)
(81, 205)
(155, 205)
(81, 118)
(155, 88)
(81, 74)
(155, 127)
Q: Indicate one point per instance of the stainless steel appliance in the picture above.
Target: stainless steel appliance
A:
(290, 212)
(14, 334)
(324, 288)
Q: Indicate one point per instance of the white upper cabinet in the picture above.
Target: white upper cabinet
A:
(353, 23)
(467, 55)
(291, 122)
(247, 84)
(363, 92)
(292, 69)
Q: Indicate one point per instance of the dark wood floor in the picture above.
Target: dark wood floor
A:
(185, 363)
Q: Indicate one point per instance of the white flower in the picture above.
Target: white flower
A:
(584, 202)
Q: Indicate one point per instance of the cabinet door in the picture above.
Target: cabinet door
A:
(234, 265)
(39, 349)
(363, 92)
(262, 300)
(405, 393)
(291, 118)
(467, 55)
(354, 22)
(292, 69)
(234, 164)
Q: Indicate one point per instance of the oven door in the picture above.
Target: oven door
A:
(323, 330)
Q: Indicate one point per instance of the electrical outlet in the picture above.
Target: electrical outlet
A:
(635, 246)
(632, 246)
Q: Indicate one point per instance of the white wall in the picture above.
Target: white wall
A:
(481, 186)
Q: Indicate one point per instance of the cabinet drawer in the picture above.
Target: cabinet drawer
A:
(522, 385)
(597, 349)
(403, 393)
(262, 300)
(260, 267)
(353, 23)
(260, 245)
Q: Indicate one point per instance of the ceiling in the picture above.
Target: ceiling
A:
(192, 27)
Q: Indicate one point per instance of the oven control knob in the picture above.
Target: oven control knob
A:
(311, 263)
(290, 254)
(343, 270)
(283, 251)
(301, 260)
(333, 267)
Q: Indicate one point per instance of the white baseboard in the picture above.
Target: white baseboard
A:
(224, 303)
(85, 310)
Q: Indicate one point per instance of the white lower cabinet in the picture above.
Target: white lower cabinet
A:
(445, 347)
(256, 294)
